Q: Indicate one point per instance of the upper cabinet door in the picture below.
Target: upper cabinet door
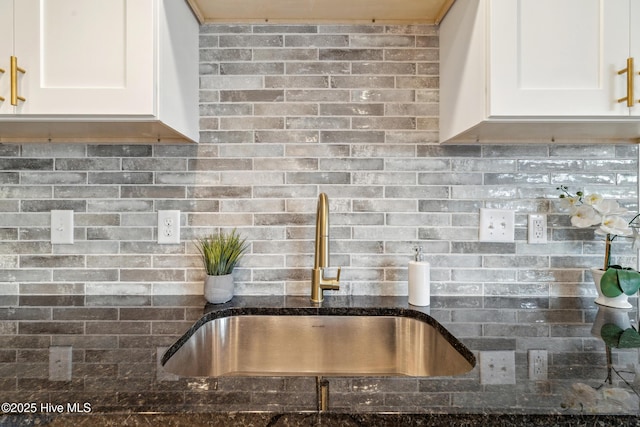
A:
(559, 57)
(6, 50)
(634, 51)
(84, 57)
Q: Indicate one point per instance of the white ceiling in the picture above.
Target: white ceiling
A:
(321, 11)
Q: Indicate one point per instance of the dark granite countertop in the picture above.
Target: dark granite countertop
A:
(117, 342)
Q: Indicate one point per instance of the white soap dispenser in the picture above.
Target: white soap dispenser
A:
(419, 280)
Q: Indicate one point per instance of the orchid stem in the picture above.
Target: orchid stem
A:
(607, 252)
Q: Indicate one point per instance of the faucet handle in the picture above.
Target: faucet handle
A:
(330, 283)
(331, 280)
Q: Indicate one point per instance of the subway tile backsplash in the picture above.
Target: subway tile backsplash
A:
(286, 112)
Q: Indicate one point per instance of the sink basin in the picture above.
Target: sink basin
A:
(319, 345)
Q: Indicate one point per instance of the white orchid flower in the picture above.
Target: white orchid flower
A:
(585, 216)
(593, 199)
(609, 207)
(570, 203)
(592, 209)
(612, 224)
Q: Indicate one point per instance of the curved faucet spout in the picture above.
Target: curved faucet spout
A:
(319, 282)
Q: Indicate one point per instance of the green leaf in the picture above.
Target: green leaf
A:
(611, 334)
(221, 252)
(629, 339)
(629, 281)
(609, 283)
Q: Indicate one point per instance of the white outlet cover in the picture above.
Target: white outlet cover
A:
(62, 227)
(538, 364)
(169, 227)
(497, 225)
(537, 228)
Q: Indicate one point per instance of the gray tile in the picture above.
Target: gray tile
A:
(311, 95)
(351, 54)
(297, 82)
(359, 109)
(358, 40)
(285, 54)
(243, 40)
(358, 82)
(221, 55)
(326, 68)
(266, 95)
(249, 68)
(119, 150)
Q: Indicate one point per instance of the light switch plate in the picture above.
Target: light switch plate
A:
(497, 225)
(60, 363)
(62, 227)
(497, 367)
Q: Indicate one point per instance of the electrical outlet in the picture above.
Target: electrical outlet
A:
(168, 227)
(497, 225)
(60, 358)
(497, 367)
(537, 228)
(62, 227)
(538, 364)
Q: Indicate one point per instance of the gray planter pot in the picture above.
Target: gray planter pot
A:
(218, 289)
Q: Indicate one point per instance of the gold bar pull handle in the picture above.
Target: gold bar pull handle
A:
(629, 71)
(14, 81)
(1, 71)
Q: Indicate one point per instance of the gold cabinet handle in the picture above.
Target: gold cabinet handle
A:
(629, 71)
(14, 81)
(1, 71)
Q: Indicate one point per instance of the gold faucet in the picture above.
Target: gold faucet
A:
(319, 282)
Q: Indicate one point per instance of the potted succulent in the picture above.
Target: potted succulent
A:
(220, 253)
(613, 282)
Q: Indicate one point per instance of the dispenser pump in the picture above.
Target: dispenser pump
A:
(419, 285)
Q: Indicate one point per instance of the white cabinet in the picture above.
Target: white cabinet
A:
(539, 71)
(6, 48)
(102, 69)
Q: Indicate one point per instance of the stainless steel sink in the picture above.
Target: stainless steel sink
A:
(320, 345)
